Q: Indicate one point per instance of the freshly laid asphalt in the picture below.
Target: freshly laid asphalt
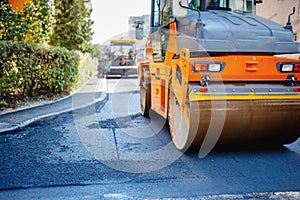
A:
(93, 91)
(49, 160)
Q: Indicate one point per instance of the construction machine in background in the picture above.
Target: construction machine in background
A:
(213, 70)
(122, 58)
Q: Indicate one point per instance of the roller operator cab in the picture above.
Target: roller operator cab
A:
(213, 70)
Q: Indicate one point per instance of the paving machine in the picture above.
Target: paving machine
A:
(122, 58)
(213, 70)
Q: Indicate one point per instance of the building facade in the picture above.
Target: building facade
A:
(132, 24)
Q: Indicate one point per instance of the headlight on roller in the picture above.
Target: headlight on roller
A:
(287, 67)
(208, 66)
(215, 67)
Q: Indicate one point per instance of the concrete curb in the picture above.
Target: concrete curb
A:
(48, 116)
(52, 102)
(53, 114)
(39, 105)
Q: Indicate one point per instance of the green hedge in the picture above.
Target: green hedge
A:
(29, 69)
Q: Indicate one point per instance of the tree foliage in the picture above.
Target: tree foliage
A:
(73, 26)
(97, 51)
(33, 24)
(30, 69)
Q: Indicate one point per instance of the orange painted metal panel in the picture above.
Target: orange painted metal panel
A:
(244, 68)
(17, 4)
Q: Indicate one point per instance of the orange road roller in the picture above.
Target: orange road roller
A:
(220, 74)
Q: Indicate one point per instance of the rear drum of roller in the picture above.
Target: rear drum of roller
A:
(269, 122)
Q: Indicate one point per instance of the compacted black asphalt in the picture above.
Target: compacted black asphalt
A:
(108, 150)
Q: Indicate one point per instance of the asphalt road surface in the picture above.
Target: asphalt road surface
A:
(109, 151)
